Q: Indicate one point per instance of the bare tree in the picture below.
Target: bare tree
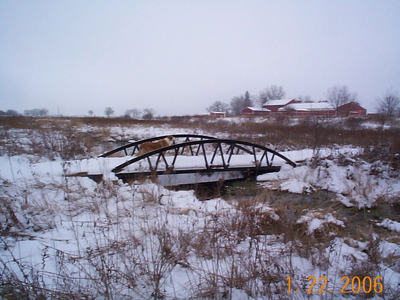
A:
(109, 111)
(9, 112)
(127, 113)
(44, 112)
(237, 104)
(133, 113)
(240, 102)
(388, 105)
(90, 112)
(218, 106)
(148, 113)
(274, 92)
(305, 99)
(36, 112)
(338, 96)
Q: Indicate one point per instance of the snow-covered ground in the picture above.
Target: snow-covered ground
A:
(355, 182)
(66, 236)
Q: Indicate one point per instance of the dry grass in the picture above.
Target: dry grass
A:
(247, 248)
(134, 251)
(307, 133)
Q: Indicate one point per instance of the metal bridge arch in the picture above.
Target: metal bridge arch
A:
(132, 148)
(262, 162)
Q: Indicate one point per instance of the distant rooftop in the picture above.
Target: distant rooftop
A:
(278, 102)
(308, 106)
(257, 108)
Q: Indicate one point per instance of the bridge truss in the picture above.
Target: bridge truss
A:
(198, 158)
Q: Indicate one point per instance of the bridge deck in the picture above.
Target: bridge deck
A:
(197, 159)
(102, 167)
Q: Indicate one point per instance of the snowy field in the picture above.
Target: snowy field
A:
(327, 229)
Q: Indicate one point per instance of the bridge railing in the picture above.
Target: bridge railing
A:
(262, 156)
(132, 148)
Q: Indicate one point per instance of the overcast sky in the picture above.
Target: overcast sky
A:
(178, 57)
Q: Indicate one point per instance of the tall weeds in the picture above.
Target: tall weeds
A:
(71, 238)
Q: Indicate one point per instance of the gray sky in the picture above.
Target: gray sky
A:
(178, 57)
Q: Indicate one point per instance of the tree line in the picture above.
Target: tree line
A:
(37, 112)
(147, 114)
(135, 113)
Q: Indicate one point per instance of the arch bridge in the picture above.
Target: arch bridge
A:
(197, 159)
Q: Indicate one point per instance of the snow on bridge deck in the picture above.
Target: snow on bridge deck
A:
(95, 166)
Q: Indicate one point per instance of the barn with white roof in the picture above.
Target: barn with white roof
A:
(275, 105)
(313, 109)
(255, 111)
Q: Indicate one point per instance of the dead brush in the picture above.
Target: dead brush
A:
(214, 233)
(363, 271)
(232, 251)
(395, 154)
(252, 220)
(48, 137)
(23, 210)
(20, 279)
(10, 144)
(8, 213)
(286, 226)
(373, 240)
(13, 287)
(375, 265)
(63, 142)
(158, 255)
(314, 245)
(150, 194)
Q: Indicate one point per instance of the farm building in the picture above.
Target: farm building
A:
(275, 105)
(220, 114)
(255, 111)
(309, 109)
(351, 109)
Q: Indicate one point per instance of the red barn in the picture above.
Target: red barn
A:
(220, 114)
(255, 111)
(274, 105)
(351, 109)
(309, 109)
